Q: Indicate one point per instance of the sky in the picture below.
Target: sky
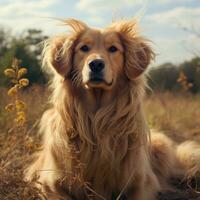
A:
(162, 21)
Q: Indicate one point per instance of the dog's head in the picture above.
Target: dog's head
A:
(93, 58)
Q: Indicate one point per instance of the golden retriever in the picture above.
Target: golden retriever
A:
(96, 142)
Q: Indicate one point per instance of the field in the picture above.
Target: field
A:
(178, 115)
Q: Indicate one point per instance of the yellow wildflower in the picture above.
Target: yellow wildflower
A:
(10, 107)
(21, 72)
(182, 77)
(18, 86)
(12, 91)
(20, 113)
(20, 105)
(183, 80)
(9, 72)
(21, 118)
(24, 82)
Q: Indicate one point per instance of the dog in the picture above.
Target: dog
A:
(96, 142)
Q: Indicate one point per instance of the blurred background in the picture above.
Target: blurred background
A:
(172, 103)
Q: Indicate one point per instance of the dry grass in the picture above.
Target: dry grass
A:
(177, 115)
(17, 144)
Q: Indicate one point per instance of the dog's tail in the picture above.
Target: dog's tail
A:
(188, 155)
(170, 159)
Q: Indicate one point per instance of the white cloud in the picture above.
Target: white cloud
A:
(22, 14)
(178, 16)
(100, 13)
(22, 7)
(172, 42)
(93, 6)
(176, 48)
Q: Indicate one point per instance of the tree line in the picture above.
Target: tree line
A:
(27, 47)
(185, 76)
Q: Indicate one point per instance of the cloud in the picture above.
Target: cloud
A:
(22, 7)
(93, 6)
(181, 16)
(166, 31)
(175, 48)
(100, 13)
(24, 14)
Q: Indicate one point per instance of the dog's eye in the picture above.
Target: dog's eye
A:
(112, 49)
(84, 48)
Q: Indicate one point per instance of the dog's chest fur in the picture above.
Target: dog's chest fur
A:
(101, 167)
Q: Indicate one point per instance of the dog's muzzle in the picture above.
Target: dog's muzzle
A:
(96, 77)
(96, 74)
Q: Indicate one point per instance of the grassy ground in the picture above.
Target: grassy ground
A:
(178, 116)
(17, 144)
(175, 114)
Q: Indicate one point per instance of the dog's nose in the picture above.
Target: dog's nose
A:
(97, 65)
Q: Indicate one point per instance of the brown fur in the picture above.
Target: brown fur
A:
(96, 140)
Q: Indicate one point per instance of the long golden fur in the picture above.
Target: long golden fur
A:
(96, 143)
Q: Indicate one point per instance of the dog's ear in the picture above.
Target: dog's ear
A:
(58, 51)
(137, 51)
(58, 54)
(138, 55)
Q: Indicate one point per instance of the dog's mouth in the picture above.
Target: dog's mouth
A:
(99, 83)
(96, 80)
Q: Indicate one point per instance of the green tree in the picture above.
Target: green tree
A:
(192, 71)
(164, 77)
(26, 48)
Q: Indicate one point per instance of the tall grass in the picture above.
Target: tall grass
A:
(175, 114)
(16, 143)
